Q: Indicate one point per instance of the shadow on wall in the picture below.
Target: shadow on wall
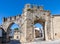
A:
(14, 42)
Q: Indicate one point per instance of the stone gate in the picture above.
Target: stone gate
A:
(31, 14)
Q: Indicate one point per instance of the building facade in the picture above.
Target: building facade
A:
(16, 35)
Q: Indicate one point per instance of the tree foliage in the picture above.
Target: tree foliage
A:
(16, 28)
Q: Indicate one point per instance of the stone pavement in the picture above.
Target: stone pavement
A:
(44, 42)
(36, 42)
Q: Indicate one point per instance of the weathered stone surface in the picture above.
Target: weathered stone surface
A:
(29, 17)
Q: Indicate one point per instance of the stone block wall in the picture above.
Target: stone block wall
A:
(56, 27)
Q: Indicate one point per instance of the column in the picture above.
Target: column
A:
(46, 37)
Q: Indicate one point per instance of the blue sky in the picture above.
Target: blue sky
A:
(14, 7)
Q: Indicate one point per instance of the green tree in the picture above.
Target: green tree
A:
(16, 28)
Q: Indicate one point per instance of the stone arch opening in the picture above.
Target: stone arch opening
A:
(2, 35)
(38, 30)
(13, 31)
(1, 32)
(40, 24)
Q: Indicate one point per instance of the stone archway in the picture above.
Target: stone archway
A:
(42, 22)
(7, 22)
(35, 15)
(10, 30)
(29, 17)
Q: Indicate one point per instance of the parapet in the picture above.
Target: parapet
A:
(33, 7)
(27, 6)
(11, 18)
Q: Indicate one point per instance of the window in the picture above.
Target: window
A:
(17, 37)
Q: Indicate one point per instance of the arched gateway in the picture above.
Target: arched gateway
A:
(30, 16)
